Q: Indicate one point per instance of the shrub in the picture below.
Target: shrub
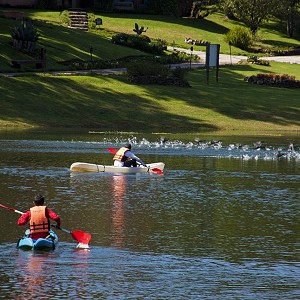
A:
(179, 73)
(239, 37)
(140, 42)
(154, 73)
(146, 69)
(176, 58)
(64, 18)
(255, 60)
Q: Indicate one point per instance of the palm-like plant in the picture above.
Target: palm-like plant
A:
(25, 36)
(139, 30)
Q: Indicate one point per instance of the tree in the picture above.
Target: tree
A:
(185, 6)
(288, 10)
(251, 12)
(164, 7)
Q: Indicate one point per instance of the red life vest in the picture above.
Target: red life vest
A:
(120, 155)
(38, 220)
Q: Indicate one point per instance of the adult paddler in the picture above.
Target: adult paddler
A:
(125, 158)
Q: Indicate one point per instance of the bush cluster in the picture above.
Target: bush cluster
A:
(155, 73)
(272, 79)
(176, 58)
(239, 37)
(140, 42)
(255, 60)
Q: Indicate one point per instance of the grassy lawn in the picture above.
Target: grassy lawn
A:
(63, 44)
(111, 103)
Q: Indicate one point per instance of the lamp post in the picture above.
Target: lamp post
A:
(230, 52)
(191, 54)
(91, 52)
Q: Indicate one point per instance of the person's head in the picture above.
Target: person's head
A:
(128, 146)
(39, 200)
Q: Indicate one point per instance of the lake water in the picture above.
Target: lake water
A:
(222, 222)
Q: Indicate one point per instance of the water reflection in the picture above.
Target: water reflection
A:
(33, 267)
(118, 209)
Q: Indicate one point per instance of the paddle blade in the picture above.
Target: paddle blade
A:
(112, 150)
(81, 237)
(157, 171)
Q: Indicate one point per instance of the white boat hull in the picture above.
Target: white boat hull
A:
(86, 167)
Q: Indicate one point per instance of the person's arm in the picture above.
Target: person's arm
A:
(24, 219)
(52, 215)
(132, 156)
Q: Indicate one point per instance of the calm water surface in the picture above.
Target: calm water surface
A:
(222, 222)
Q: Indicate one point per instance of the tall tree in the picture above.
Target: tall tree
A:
(288, 11)
(185, 7)
(251, 12)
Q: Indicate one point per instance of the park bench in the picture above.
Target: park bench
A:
(39, 63)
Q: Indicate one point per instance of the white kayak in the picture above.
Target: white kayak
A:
(86, 167)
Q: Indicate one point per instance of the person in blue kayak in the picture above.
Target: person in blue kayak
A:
(39, 218)
(125, 158)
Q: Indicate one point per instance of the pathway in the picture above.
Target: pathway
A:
(226, 59)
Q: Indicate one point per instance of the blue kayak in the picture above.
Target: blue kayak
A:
(48, 243)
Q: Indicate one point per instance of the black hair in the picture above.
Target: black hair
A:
(39, 200)
(128, 146)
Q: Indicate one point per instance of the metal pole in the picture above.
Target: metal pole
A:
(207, 58)
(191, 57)
(91, 52)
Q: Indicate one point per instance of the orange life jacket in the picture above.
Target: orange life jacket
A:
(120, 155)
(38, 220)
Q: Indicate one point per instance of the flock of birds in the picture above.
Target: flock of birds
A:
(217, 144)
(255, 150)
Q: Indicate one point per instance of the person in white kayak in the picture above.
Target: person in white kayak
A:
(125, 158)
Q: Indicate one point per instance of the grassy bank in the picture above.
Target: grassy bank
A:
(64, 44)
(111, 103)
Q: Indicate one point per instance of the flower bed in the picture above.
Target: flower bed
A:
(271, 79)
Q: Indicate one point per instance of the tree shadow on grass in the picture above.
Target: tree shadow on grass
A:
(59, 101)
(279, 44)
(111, 103)
(233, 97)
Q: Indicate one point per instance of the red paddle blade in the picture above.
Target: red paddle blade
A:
(81, 237)
(157, 171)
(112, 150)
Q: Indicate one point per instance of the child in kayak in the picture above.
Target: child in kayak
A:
(39, 219)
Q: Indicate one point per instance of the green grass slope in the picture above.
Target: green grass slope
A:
(111, 103)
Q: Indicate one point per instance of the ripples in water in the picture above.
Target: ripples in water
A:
(109, 273)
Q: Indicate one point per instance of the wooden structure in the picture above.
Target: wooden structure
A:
(78, 20)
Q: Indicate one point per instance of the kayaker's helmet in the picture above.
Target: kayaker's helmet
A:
(128, 146)
(39, 200)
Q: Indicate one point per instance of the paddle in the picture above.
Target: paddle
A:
(78, 235)
(154, 170)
